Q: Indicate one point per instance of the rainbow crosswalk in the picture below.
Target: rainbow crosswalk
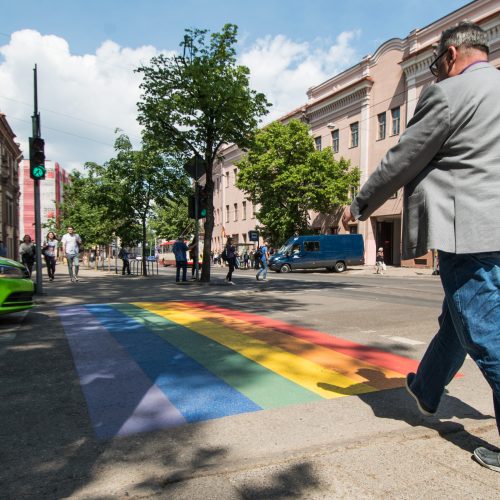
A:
(151, 365)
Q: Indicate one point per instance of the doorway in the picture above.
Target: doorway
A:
(384, 238)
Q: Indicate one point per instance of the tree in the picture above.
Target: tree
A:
(171, 220)
(288, 177)
(197, 102)
(135, 182)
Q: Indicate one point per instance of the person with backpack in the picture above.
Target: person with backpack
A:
(257, 257)
(123, 254)
(263, 261)
(230, 257)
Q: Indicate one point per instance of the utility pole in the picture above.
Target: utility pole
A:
(38, 223)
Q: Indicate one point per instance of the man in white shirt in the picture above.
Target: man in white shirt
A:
(71, 243)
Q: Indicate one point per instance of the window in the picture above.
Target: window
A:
(236, 211)
(353, 229)
(244, 205)
(317, 142)
(381, 126)
(311, 246)
(217, 184)
(395, 120)
(354, 135)
(335, 141)
(235, 175)
(227, 213)
(227, 179)
(253, 211)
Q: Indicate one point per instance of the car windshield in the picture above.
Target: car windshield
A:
(287, 246)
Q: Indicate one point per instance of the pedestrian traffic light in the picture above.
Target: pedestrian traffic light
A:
(202, 202)
(37, 158)
(201, 194)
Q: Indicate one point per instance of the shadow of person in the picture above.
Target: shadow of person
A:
(396, 404)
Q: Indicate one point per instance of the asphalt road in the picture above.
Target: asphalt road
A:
(368, 446)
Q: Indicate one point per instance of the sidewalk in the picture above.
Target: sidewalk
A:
(374, 445)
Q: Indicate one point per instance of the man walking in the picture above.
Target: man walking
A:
(264, 257)
(179, 249)
(448, 162)
(71, 243)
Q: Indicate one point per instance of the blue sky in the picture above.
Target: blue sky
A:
(86, 51)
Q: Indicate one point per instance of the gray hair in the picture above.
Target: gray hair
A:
(465, 35)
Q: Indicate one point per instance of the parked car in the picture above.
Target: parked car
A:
(333, 251)
(16, 288)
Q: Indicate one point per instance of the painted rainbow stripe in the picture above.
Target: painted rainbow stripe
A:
(151, 365)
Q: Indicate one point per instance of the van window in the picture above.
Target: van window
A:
(311, 246)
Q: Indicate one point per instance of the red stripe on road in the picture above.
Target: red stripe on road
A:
(359, 351)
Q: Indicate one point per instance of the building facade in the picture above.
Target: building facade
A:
(51, 196)
(360, 113)
(10, 154)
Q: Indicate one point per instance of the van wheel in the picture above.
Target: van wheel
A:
(285, 268)
(340, 266)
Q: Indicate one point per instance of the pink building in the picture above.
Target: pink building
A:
(51, 195)
(360, 113)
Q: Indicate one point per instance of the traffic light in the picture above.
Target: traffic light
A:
(202, 203)
(37, 158)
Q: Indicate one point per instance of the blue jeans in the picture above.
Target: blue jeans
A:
(263, 268)
(469, 324)
(181, 264)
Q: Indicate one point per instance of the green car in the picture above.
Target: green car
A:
(16, 288)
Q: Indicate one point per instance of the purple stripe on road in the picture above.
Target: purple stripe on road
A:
(121, 399)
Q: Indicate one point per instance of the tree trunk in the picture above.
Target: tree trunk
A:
(209, 223)
(144, 266)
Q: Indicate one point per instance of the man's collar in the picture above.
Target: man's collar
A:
(467, 68)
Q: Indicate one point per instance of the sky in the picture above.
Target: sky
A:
(86, 52)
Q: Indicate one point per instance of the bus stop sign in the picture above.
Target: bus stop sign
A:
(253, 235)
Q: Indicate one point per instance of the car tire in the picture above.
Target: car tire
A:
(285, 268)
(340, 266)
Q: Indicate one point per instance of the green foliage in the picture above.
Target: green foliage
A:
(119, 197)
(287, 177)
(171, 220)
(195, 103)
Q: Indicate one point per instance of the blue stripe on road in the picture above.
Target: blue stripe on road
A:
(121, 400)
(195, 391)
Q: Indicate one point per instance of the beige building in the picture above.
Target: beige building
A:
(360, 113)
(10, 154)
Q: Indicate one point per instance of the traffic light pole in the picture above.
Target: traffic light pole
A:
(38, 223)
(196, 230)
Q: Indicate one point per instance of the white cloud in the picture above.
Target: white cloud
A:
(81, 99)
(283, 69)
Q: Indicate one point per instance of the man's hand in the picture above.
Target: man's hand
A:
(347, 217)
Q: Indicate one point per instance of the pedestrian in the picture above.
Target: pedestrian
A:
(3, 249)
(193, 256)
(71, 243)
(246, 259)
(252, 259)
(380, 262)
(257, 257)
(27, 253)
(230, 252)
(125, 256)
(180, 252)
(447, 161)
(49, 250)
(264, 251)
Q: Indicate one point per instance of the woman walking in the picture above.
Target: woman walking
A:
(27, 253)
(230, 252)
(50, 254)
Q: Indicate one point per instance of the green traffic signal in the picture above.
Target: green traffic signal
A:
(37, 158)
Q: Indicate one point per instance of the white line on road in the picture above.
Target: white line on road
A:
(403, 340)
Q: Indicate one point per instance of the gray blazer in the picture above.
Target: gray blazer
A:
(448, 161)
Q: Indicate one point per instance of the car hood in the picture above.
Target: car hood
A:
(9, 262)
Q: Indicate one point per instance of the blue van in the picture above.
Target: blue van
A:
(333, 251)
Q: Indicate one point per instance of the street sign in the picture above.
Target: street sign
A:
(195, 167)
(253, 235)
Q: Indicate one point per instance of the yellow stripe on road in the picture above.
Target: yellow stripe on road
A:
(324, 382)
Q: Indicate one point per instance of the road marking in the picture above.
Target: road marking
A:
(404, 340)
